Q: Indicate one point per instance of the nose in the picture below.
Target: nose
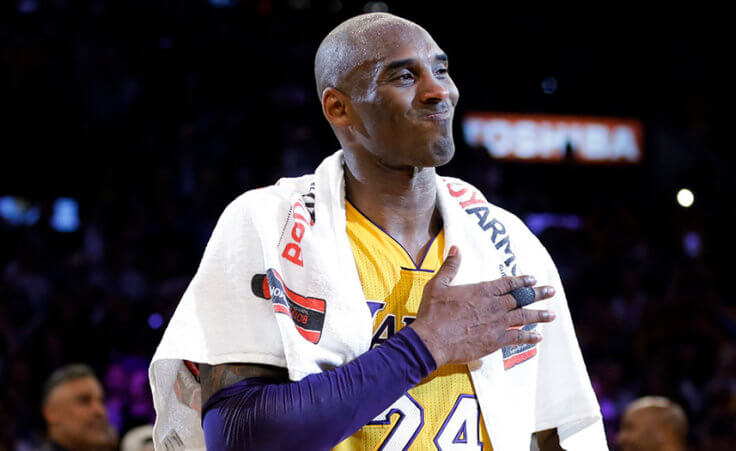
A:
(433, 90)
(98, 407)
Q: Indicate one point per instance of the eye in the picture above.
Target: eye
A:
(442, 70)
(405, 77)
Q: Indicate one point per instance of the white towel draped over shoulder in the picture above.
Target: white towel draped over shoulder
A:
(278, 285)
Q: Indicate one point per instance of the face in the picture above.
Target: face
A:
(404, 100)
(640, 431)
(76, 415)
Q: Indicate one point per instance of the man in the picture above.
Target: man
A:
(653, 423)
(73, 406)
(379, 334)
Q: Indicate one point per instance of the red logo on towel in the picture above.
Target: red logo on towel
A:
(308, 314)
(293, 250)
(516, 354)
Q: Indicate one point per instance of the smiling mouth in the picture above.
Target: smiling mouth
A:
(438, 116)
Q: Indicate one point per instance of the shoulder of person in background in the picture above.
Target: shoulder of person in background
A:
(138, 439)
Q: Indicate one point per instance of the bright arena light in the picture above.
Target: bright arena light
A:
(685, 197)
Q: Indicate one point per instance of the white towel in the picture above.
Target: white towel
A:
(310, 314)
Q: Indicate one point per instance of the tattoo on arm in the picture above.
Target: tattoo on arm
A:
(216, 377)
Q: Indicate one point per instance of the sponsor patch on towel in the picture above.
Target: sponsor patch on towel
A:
(307, 313)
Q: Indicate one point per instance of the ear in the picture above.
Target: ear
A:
(336, 107)
(50, 414)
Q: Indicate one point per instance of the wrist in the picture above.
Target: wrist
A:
(432, 345)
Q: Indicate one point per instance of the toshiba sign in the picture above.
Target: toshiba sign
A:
(549, 138)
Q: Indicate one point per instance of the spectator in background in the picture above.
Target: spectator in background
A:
(73, 406)
(653, 423)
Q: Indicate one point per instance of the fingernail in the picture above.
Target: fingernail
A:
(530, 280)
(549, 316)
(549, 291)
(536, 335)
(453, 251)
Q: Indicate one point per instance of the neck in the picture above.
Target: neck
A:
(402, 201)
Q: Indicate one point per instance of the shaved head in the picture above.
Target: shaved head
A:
(653, 423)
(352, 44)
(668, 413)
(386, 92)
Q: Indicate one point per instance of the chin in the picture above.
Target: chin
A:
(442, 151)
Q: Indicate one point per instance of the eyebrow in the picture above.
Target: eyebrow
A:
(408, 61)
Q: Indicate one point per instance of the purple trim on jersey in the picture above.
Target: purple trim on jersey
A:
(417, 269)
(462, 434)
(465, 423)
(321, 410)
(426, 251)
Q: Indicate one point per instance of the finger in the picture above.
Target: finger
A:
(449, 268)
(520, 317)
(523, 296)
(519, 336)
(543, 292)
(504, 285)
(512, 301)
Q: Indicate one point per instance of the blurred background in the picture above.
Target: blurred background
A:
(127, 127)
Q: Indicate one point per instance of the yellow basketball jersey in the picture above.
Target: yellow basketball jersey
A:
(441, 412)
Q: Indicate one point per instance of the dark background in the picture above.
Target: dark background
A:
(154, 114)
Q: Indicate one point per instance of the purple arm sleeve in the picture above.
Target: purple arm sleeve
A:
(321, 410)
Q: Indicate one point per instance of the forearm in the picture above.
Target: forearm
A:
(320, 410)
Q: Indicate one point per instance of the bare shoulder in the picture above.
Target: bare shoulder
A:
(216, 377)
